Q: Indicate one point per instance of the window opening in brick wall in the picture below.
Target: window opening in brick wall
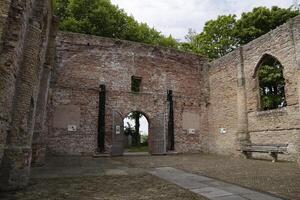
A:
(136, 84)
(271, 84)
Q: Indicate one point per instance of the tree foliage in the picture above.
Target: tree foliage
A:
(216, 40)
(260, 21)
(226, 33)
(128, 129)
(271, 84)
(102, 18)
(136, 137)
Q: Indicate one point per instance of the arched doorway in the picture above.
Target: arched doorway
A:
(136, 132)
(156, 133)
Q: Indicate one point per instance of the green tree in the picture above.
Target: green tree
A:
(217, 38)
(224, 34)
(60, 8)
(260, 21)
(168, 42)
(102, 18)
(191, 44)
(136, 137)
(128, 130)
(271, 84)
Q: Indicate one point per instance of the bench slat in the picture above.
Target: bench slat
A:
(272, 149)
(266, 148)
(277, 145)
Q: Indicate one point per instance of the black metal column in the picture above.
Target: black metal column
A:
(171, 140)
(101, 119)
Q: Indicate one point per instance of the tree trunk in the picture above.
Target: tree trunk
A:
(137, 128)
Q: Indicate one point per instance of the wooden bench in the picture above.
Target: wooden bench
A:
(272, 149)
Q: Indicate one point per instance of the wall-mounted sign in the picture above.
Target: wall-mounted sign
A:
(223, 130)
(191, 131)
(118, 130)
(72, 128)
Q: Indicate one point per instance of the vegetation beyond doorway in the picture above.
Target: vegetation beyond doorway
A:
(136, 132)
(271, 84)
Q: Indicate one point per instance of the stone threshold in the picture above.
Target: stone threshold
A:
(99, 155)
(207, 187)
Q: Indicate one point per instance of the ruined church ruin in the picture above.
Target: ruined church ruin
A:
(68, 93)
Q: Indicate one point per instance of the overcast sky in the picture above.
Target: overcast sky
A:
(143, 124)
(175, 17)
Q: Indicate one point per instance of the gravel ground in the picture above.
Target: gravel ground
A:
(133, 186)
(125, 178)
(280, 178)
(141, 187)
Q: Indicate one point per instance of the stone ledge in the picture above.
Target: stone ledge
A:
(271, 113)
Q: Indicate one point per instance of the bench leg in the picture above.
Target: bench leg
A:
(274, 156)
(246, 154)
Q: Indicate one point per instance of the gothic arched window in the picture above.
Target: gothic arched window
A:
(271, 83)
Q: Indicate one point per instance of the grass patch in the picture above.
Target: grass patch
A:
(138, 149)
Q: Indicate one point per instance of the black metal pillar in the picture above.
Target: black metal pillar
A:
(101, 119)
(171, 140)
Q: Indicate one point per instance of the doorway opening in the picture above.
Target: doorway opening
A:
(136, 133)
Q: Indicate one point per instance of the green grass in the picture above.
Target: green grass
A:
(138, 149)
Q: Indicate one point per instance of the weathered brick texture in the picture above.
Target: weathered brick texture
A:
(84, 62)
(14, 20)
(47, 63)
(225, 96)
(23, 47)
(223, 103)
(219, 100)
(275, 126)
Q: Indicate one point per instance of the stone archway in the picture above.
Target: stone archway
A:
(136, 132)
(156, 132)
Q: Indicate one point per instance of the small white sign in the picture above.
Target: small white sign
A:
(118, 130)
(72, 128)
(191, 131)
(223, 130)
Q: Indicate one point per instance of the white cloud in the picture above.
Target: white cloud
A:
(175, 17)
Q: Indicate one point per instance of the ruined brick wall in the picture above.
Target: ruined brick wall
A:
(13, 25)
(275, 126)
(222, 112)
(25, 32)
(84, 62)
(223, 97)
(220, 96)
(4, 10)
(46, 63)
